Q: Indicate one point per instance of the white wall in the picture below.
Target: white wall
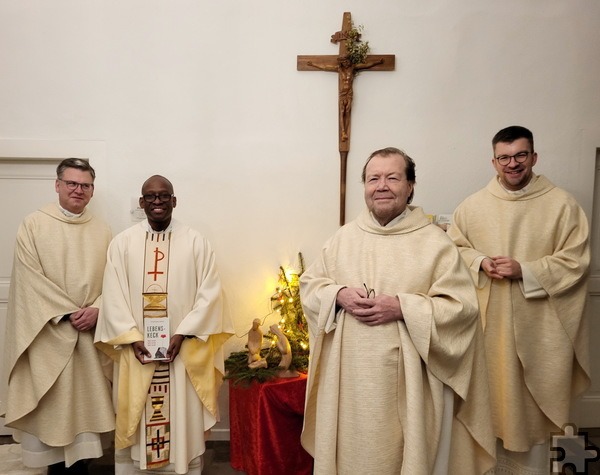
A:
(207, 94)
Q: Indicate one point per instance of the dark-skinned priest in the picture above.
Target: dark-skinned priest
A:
(165, 325)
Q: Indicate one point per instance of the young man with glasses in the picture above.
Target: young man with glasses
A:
(526, 243)
(161, 284)
(58, 400)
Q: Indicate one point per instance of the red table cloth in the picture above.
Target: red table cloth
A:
(265, 421)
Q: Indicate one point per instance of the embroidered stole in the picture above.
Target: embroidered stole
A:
(158, 427)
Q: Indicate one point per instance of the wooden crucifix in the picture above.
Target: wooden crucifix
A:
(346, 70)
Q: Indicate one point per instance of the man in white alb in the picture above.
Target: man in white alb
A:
(163, 272)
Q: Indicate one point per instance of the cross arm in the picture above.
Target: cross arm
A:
(378, 62)
(317, 62)
(374, 62)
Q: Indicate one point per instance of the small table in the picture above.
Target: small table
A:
(265, 420)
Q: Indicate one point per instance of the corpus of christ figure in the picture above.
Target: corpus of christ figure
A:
(347, 70)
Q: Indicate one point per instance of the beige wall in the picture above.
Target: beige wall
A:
(207, 93)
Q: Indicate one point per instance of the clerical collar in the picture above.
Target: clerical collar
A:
(394, 221)
(168, 229)
(523, 190)
(68, 214)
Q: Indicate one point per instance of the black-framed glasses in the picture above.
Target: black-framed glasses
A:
(370, 292)
(72, 185)
(163, 197)
(519, 158)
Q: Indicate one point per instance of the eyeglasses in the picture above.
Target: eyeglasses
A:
(370, 292)
(519, 158)
(163, 197)
(72, 185)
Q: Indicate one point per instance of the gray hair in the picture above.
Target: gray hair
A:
(411, 175)
(78, 163)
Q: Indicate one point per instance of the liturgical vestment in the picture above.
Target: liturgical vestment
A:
(377, 396)
(195, 309)
(57, 388)
(536, 341)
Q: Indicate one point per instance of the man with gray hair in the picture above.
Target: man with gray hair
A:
(58, 400)
(396, 381)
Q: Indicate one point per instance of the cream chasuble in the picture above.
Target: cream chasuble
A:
(195, 309)
(536, 343)
(58, 391)
(375, 399)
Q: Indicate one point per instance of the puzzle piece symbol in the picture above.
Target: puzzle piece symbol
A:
(573, 451)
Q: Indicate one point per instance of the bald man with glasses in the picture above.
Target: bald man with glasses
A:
(58, 401)
(161, 274)
(525, 241)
